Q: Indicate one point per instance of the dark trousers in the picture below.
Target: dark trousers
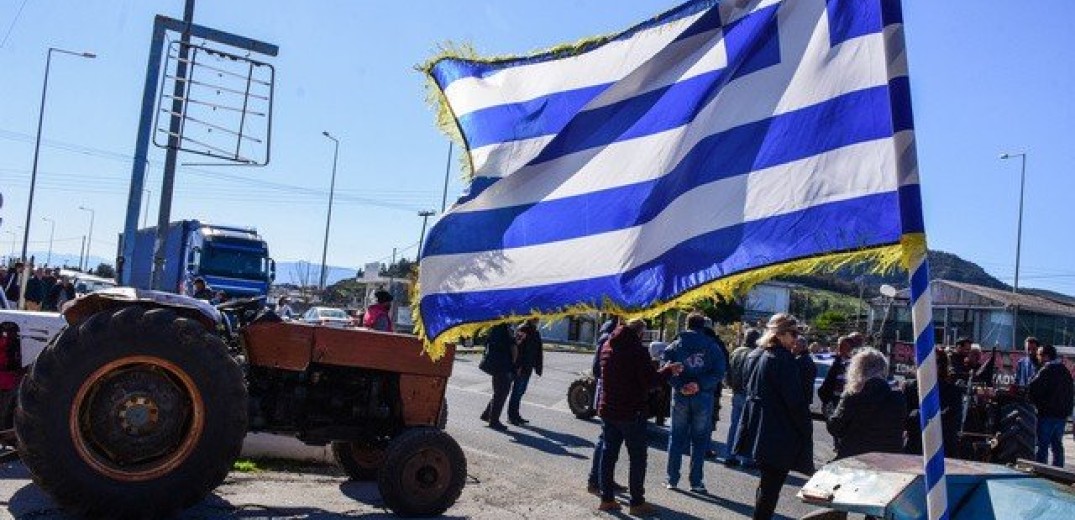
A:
(633, 434)
(772, 479)
(518, 388)
(501, 388)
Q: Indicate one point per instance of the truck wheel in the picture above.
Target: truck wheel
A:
(442, 417)
(580, 398)
(423, 473)
(134, 413)
(1017, 434)
(360, 460)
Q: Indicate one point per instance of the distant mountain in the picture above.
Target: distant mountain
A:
(850, 280)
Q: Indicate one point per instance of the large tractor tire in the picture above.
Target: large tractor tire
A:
(360, 460)
(423, 473)
(133, 413)
(580, 396)
(1017, 433)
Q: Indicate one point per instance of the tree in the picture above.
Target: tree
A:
(105, 271)
(831, 321)
(401, 269)
(722, 310)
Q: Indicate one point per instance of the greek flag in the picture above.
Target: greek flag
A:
(694, 154)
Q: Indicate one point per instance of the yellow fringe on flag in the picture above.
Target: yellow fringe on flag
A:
(883, 258)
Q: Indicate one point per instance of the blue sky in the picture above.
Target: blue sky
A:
(986, 77)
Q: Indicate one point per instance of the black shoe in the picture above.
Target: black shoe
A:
(731, 462)
(485, 416)
(498, 426)
(711, 454)
(518, 421)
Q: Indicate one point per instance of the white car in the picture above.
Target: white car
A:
(327, 316)
(823, 362)
(34, 329)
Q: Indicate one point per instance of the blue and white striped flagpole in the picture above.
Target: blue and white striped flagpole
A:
(918, 268)
(928, 392)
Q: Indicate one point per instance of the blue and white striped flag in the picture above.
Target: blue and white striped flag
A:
(692, 155)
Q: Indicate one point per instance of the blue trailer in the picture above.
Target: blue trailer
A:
(230, 259)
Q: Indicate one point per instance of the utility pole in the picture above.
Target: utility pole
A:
(174, 127)
(447, 172)
(425, 214)
(328, 218)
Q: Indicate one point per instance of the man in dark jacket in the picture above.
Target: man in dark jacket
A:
(35, 290)
(529, 361)
(10, 284)
(951, 408)
(498, 361)
(593, 481)
(627, 374)
(833, 386)
(692, 401)
(1051, 392)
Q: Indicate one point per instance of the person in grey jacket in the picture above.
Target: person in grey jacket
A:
(736, 380)
(692, 399)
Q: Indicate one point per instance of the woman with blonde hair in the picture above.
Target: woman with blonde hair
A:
(775, 429)
(870, 415)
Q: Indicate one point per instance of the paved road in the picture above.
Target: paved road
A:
(537, 471)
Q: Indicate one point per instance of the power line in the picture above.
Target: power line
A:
(12, 26)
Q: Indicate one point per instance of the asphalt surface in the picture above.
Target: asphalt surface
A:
(535, 471)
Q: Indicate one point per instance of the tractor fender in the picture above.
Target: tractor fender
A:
(185, 306)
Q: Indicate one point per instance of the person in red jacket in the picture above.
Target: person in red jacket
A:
(378, 316)
(627, 374)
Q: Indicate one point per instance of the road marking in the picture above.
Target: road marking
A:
(484, 453)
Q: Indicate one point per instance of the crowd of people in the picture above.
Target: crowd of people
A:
(770, 375)
(46, 289)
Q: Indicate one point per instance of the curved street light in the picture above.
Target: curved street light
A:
(37, 142)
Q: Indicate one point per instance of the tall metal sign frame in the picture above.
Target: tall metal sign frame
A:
(161, 26)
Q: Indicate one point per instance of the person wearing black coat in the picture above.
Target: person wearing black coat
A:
(529, 361)
(951, 396)
(870, 415)
(775, 429)
(499, 362)
(1051, 392)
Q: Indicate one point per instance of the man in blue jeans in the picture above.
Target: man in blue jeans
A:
(736, 379)
(1052, 394)
(627, 374)
(692, 399)
(529, 361)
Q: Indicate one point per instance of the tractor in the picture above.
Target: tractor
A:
(139, 407)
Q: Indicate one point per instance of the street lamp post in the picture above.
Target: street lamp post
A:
(89, 239)
(52, 232)
(37, 142)
(425, 214)
(1018, 241)
(328, 218)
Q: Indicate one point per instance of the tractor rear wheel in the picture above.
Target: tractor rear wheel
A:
(132, 413)
(1017, 433)
(423, 473)
(580, 396)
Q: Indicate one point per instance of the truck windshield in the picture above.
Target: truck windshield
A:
(233, 260)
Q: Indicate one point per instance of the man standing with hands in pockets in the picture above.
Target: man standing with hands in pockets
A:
(692, 401)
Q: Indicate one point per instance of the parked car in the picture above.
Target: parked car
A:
(328, 316)
(823, 362)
